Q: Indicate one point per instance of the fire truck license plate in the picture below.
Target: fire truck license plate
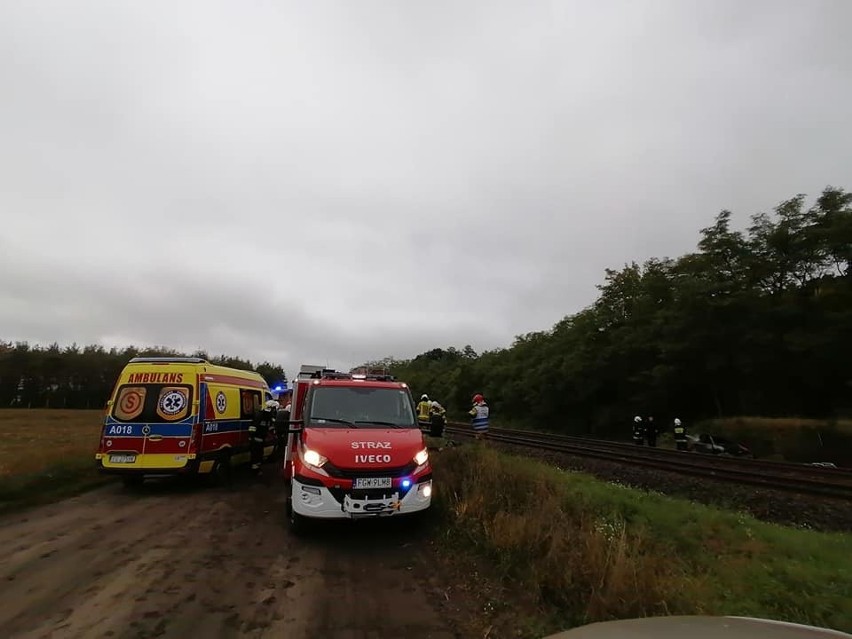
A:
(122, 459)
(373, 482)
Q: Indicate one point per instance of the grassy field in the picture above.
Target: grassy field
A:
(46, 454)
(580, 550)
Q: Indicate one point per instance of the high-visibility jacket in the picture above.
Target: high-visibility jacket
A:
(638, 430)
(436, 409)
(423, 410)
(679, 432)
(479, 414)
(260, 425)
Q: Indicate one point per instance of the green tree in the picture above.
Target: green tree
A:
(754, 322)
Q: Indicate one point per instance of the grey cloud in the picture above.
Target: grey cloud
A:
(185, 311)
(345, 181)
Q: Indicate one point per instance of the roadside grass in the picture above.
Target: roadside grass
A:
(581, 550)
(46, 455)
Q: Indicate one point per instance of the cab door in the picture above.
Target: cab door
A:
(296, 413)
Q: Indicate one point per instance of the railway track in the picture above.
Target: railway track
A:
(785, 476)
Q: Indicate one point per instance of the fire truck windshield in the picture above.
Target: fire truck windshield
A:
(366, 407)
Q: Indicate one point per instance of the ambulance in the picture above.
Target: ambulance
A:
(179, 415)
(354, 449)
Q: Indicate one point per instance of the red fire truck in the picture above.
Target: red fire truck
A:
(354, 449)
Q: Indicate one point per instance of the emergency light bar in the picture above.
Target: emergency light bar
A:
(168, 360)
(370, 370)
(331, 374)
(338, 375)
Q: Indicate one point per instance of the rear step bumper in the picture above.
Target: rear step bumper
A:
(190, 468)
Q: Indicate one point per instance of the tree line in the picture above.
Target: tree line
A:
(754, 322)
(83, 377)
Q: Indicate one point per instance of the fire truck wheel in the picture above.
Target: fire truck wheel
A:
(299, 524)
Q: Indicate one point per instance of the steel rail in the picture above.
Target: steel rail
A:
(786, 477)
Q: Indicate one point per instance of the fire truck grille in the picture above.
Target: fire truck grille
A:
(347, 473)
(372, 493)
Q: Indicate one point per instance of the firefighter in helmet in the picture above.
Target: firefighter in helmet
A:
(282, 425)
(258, 430)
(423, 409)
(638, 431)
(479, 416)
(438, 419)
(679, 434)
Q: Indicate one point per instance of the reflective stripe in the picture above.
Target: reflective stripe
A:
(479, 413)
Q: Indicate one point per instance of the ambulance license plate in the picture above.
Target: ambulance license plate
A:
(122, 459)
(373, 482)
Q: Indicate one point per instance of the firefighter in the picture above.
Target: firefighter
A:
(479, 416)
(258, 430)
(638, 431)
(423, 409)
(651, 432)
(438, 419)
(282, 426)
(679, 434)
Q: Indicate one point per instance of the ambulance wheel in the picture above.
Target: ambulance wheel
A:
(221, 472)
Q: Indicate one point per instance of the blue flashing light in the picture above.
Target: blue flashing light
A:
(406, 483)
(278, 389)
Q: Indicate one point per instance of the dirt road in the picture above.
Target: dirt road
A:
(173, 560)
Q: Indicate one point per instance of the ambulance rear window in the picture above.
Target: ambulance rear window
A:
(152, 403)
(365, 407)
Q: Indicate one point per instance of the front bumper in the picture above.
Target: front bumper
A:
(320, 503)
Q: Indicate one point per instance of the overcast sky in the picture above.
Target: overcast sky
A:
(339, 181)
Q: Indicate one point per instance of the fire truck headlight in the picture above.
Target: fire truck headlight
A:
(313, 458)
(422, 457)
